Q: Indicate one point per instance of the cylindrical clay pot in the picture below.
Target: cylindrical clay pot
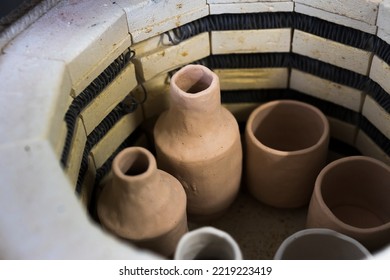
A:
(286, 147)
(321, 244)
(207, 243)
(142, 203)
(352, 196)
(198, 141)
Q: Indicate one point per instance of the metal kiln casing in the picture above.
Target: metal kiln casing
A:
(74, 82)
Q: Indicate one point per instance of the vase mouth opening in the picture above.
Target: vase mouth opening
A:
(193, 79)
(204, 245)
(288, 126)
(356, 192)
(132, 163)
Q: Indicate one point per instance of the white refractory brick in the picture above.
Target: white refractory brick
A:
(243, 1)
(384, 35)
(115, 136)
(380, 73)
(109, 98)
(323, 89)
(42, 209)
(76, 152)
(157, 90)
(369, 148)
(88, 183)
(79, 33)
(34, 97)
(361, 10)
(377, 115)
(342, 131)
(332, 52)
(384, 16)
(251, 41)
(150, 45)
(59, 147)
(256, 7)
(101, 66)
(244, 79)
(166, 58)
(148, 18)
(335, 18)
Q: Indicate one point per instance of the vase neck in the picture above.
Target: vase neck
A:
(134, 169)
(195, 97)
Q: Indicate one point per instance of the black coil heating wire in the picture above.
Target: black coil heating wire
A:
(256, 21)
(102, 171)
(129, 105)
(87, 95)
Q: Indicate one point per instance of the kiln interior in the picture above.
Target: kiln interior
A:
(110, 65)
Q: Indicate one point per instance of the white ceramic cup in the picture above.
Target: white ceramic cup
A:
(207, 243)
(321, 244)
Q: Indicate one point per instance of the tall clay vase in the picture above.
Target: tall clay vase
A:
(321, 244)
(207, 243)
(198, 141)
(143, 204)
(352, 196)
(286, 147)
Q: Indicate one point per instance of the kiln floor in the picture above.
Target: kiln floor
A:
(258, 229)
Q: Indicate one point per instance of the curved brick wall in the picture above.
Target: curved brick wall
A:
(86, 79)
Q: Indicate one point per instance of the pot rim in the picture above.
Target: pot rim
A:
(134, 152)
(319, 231)
(205, 232)
(318, 193)
(186, 70)
(324, 136)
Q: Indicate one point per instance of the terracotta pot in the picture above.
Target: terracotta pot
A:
(207, 243)
(352, 196)
(198, 141)
(142, 203)
(321, 244)
(286, 147)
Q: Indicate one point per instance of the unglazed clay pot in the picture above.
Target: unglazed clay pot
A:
(286, 147)
(207, 243)
(352, 196)
(142, 203)
(321, 244)
(198, 141)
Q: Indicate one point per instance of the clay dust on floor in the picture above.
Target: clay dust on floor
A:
(258, 229)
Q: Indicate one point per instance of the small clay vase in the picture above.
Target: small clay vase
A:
(143, 204)
(198, 141)
(352, 196)
(207, 243)
(321, 244)
(286, 147)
